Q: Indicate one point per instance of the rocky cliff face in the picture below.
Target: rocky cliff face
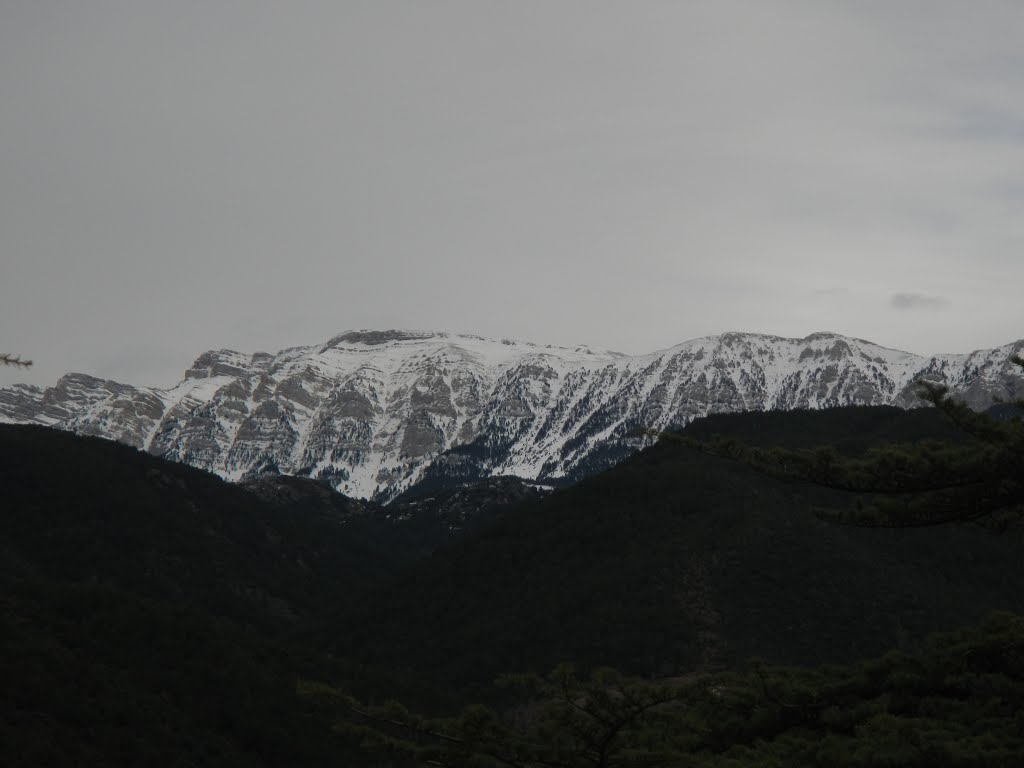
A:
(374, 412)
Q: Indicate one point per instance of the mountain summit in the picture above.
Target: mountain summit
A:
(374, 412)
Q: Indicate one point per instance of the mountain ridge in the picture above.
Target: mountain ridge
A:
(373, 412)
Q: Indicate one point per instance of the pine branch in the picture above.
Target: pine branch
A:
(914, 486)
(15, 360)
(895, 471)
(925, 515)
(975, 424)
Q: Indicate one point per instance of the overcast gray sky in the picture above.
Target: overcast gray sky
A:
(183, 175)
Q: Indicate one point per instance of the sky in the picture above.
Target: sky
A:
(203, 174)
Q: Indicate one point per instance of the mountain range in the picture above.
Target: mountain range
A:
(373, 413)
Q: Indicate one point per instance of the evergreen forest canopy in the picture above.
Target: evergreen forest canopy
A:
(155, 614)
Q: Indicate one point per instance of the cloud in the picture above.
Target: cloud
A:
(919, 301)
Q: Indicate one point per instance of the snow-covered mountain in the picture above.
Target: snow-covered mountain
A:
(373, 412)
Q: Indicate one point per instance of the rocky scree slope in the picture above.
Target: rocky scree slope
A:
(375, 412)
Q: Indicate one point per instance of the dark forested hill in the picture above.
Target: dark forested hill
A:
(152, 614)
(676, 561)
(94, 511)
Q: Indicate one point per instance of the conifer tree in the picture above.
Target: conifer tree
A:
(15, 360)
(909, 485)
(606, 720)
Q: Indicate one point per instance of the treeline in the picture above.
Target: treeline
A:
(959, 703)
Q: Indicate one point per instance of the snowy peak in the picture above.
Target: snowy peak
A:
(376, 338)
(226, 362)
(373, 412)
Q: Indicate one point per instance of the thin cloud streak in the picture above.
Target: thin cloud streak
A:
(919, 301)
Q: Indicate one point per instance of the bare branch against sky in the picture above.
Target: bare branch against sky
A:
(177, 176)
(14, 360)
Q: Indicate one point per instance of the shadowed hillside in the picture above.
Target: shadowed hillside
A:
(676, 561)
(151, 613)
(154, 614)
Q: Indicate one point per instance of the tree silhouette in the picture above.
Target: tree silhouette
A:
(908, 485)
(15, 360)
(605, 720)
